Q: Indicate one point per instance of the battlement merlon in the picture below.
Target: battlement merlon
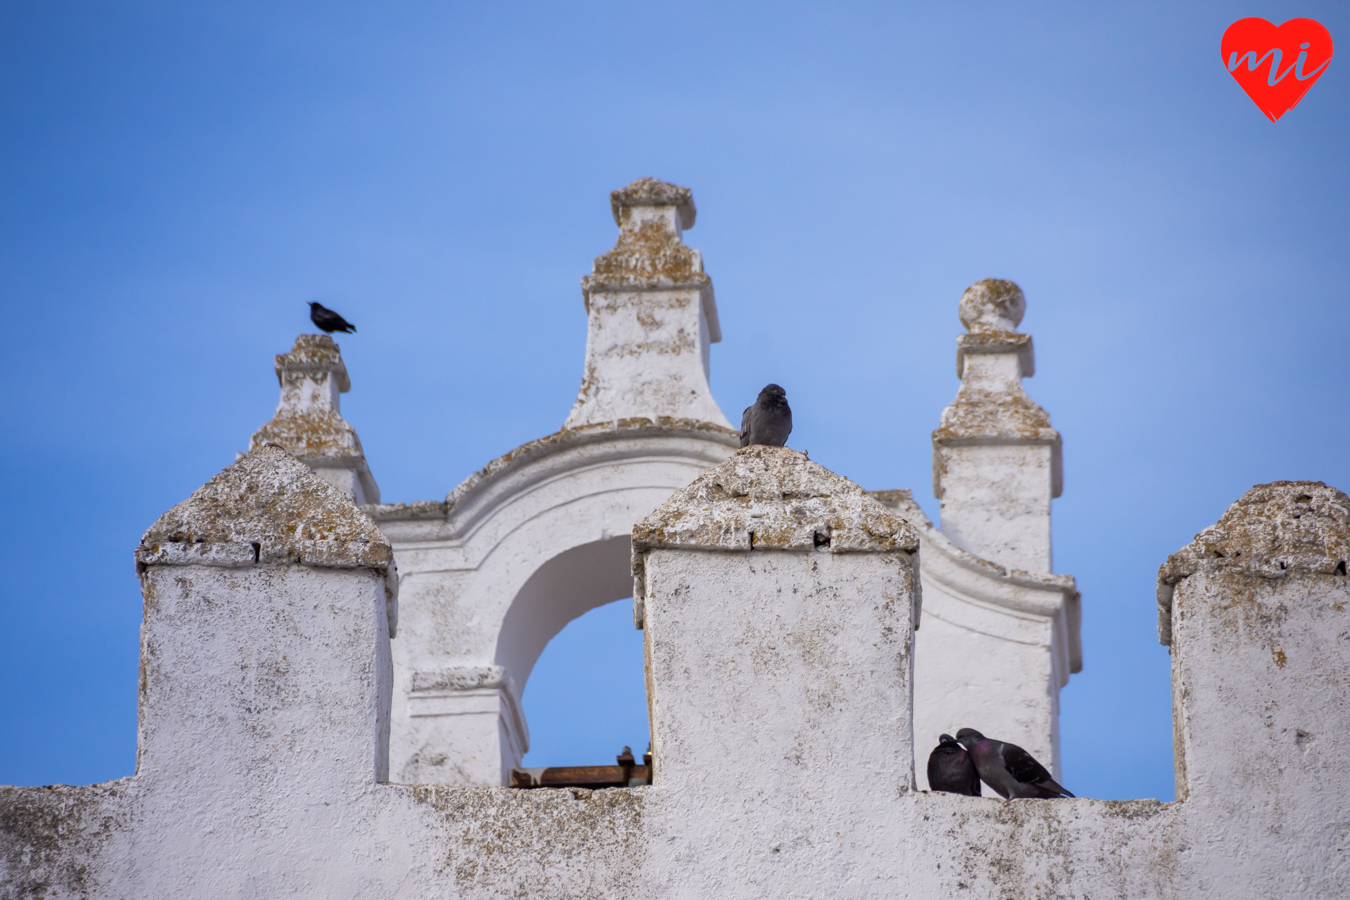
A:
(266, 586)
(778, 602)
(997, 463)
(651, 315)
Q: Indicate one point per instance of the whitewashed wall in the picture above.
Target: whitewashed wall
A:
(780, 678)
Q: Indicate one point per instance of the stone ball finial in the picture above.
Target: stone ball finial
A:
(653, 192)
(992, 305)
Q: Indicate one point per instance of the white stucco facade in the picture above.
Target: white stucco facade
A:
(779, 672)
(540, 536)
(330, 689)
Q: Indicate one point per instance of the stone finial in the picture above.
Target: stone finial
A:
(992, 305)
(308, 421)
(996, 460)
(773, 498)
(650, 254)
(649, 192)
(651, 316)
(991, 362)
(1273, 530)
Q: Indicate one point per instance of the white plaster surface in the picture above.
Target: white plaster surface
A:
(995, 646)
(996, 460)
(541, 535)
(791, 698)
(651, 315)
(779, 681)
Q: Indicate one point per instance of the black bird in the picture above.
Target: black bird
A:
(1007, 768)
(950, 769)
(329, 321)
(768, 420)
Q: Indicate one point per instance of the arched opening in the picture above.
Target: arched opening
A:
(592, 693)
(587, 697)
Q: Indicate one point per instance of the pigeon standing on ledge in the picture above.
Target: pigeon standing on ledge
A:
(950, 769)
(1008, 769)
(768, 420)
(329, 321)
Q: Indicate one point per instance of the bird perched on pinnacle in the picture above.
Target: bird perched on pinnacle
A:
(950, 769)
(329, 321)
(1007, 768)
(768, 420)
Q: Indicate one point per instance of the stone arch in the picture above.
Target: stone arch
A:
(561, 590)
(534, 540)
(537, 537)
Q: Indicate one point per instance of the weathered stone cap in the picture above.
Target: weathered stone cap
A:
(648, 255)
(1272, 530)
(266, 508)
(314, 353)
(773, 498)
(654, 192)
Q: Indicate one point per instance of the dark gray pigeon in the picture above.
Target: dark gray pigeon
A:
(329, 321)
(1007, 768)
(950, 769)
(768, 420)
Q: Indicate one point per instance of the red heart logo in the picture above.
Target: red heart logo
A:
(1276, 66)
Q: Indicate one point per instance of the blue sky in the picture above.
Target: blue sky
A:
(177, 179)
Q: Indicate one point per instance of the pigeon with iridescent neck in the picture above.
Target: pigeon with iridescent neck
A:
(1008, 769)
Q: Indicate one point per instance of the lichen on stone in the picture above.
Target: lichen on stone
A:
(306, 423)
(992, 305)
(654, 192)
(314, 353)
(566, 438)
(1271, 531)
(978, 415)
(51, 837)
(273, 501)
(649, 253)
(311, 434)
(646, 255)
(773, 498)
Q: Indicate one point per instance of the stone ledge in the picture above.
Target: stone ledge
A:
(459, 678)
(997, 342)
(317, 554)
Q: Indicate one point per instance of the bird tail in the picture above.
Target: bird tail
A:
(1055, 786)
